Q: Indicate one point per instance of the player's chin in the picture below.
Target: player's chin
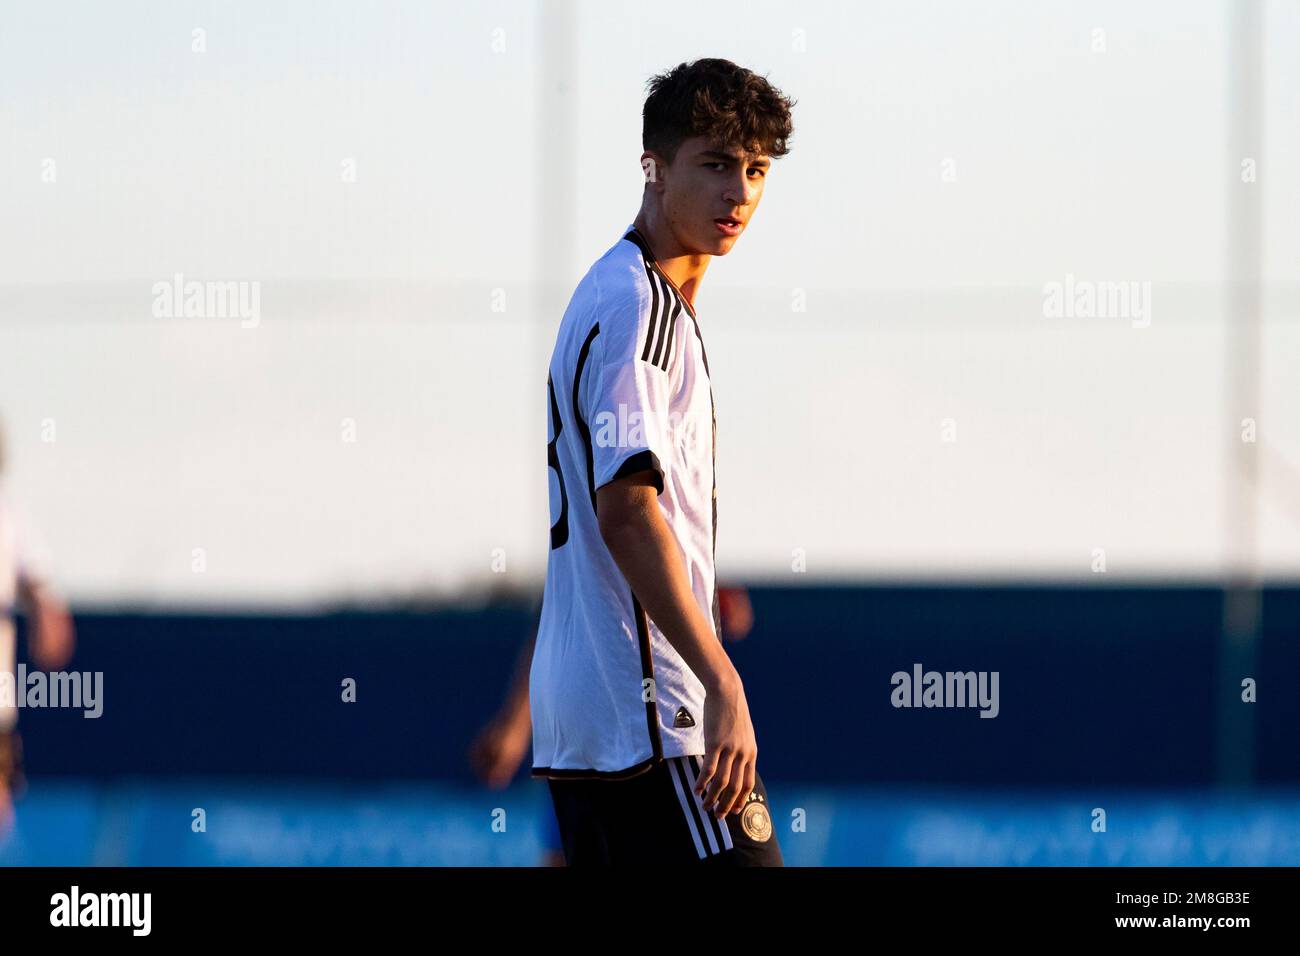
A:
(721, 245)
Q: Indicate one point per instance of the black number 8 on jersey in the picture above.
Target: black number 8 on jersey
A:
(559, 530)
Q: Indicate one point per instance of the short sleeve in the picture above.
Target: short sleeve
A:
(627, 400)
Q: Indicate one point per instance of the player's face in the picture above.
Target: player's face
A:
(711, 192)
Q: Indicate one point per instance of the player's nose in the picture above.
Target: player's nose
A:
(741, 192)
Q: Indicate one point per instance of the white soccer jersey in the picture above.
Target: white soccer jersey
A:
(628, 390)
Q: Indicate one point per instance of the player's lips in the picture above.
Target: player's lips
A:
(729, 225)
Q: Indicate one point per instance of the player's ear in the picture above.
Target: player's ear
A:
(652, 168)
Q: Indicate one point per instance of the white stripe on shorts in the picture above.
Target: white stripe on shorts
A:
(675, 770)
(684, 777)
(714, 822)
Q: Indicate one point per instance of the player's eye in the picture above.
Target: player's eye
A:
(760, 170)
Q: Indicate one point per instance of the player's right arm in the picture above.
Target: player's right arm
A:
(626, 386)
(645, 550)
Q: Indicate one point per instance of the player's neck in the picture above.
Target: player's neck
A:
(685, 269)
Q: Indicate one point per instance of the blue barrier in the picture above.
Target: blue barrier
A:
(256, 823)
(1097, 685)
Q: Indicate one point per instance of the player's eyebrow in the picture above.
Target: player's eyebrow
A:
(734, 158)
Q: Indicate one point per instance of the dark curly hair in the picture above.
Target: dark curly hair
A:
(715, 98)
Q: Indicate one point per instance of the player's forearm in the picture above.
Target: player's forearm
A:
(644, 549)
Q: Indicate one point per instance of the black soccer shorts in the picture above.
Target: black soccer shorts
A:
(656, 818)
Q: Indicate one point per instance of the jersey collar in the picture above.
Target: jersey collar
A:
(634, 236)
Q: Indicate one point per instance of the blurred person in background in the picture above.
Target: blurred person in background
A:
(24, 586)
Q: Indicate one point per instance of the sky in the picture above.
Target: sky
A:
(228, 161)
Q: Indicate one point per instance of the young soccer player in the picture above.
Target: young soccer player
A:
(639, 719)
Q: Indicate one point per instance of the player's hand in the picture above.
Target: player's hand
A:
(499, 749)
(731, 752)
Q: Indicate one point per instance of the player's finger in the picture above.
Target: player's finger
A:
(720, 780)
(747, 787)
(742, 775)
(733, 796)
(708, 766)
(730, 794)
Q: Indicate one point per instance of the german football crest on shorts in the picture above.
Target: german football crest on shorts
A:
(755, 820)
